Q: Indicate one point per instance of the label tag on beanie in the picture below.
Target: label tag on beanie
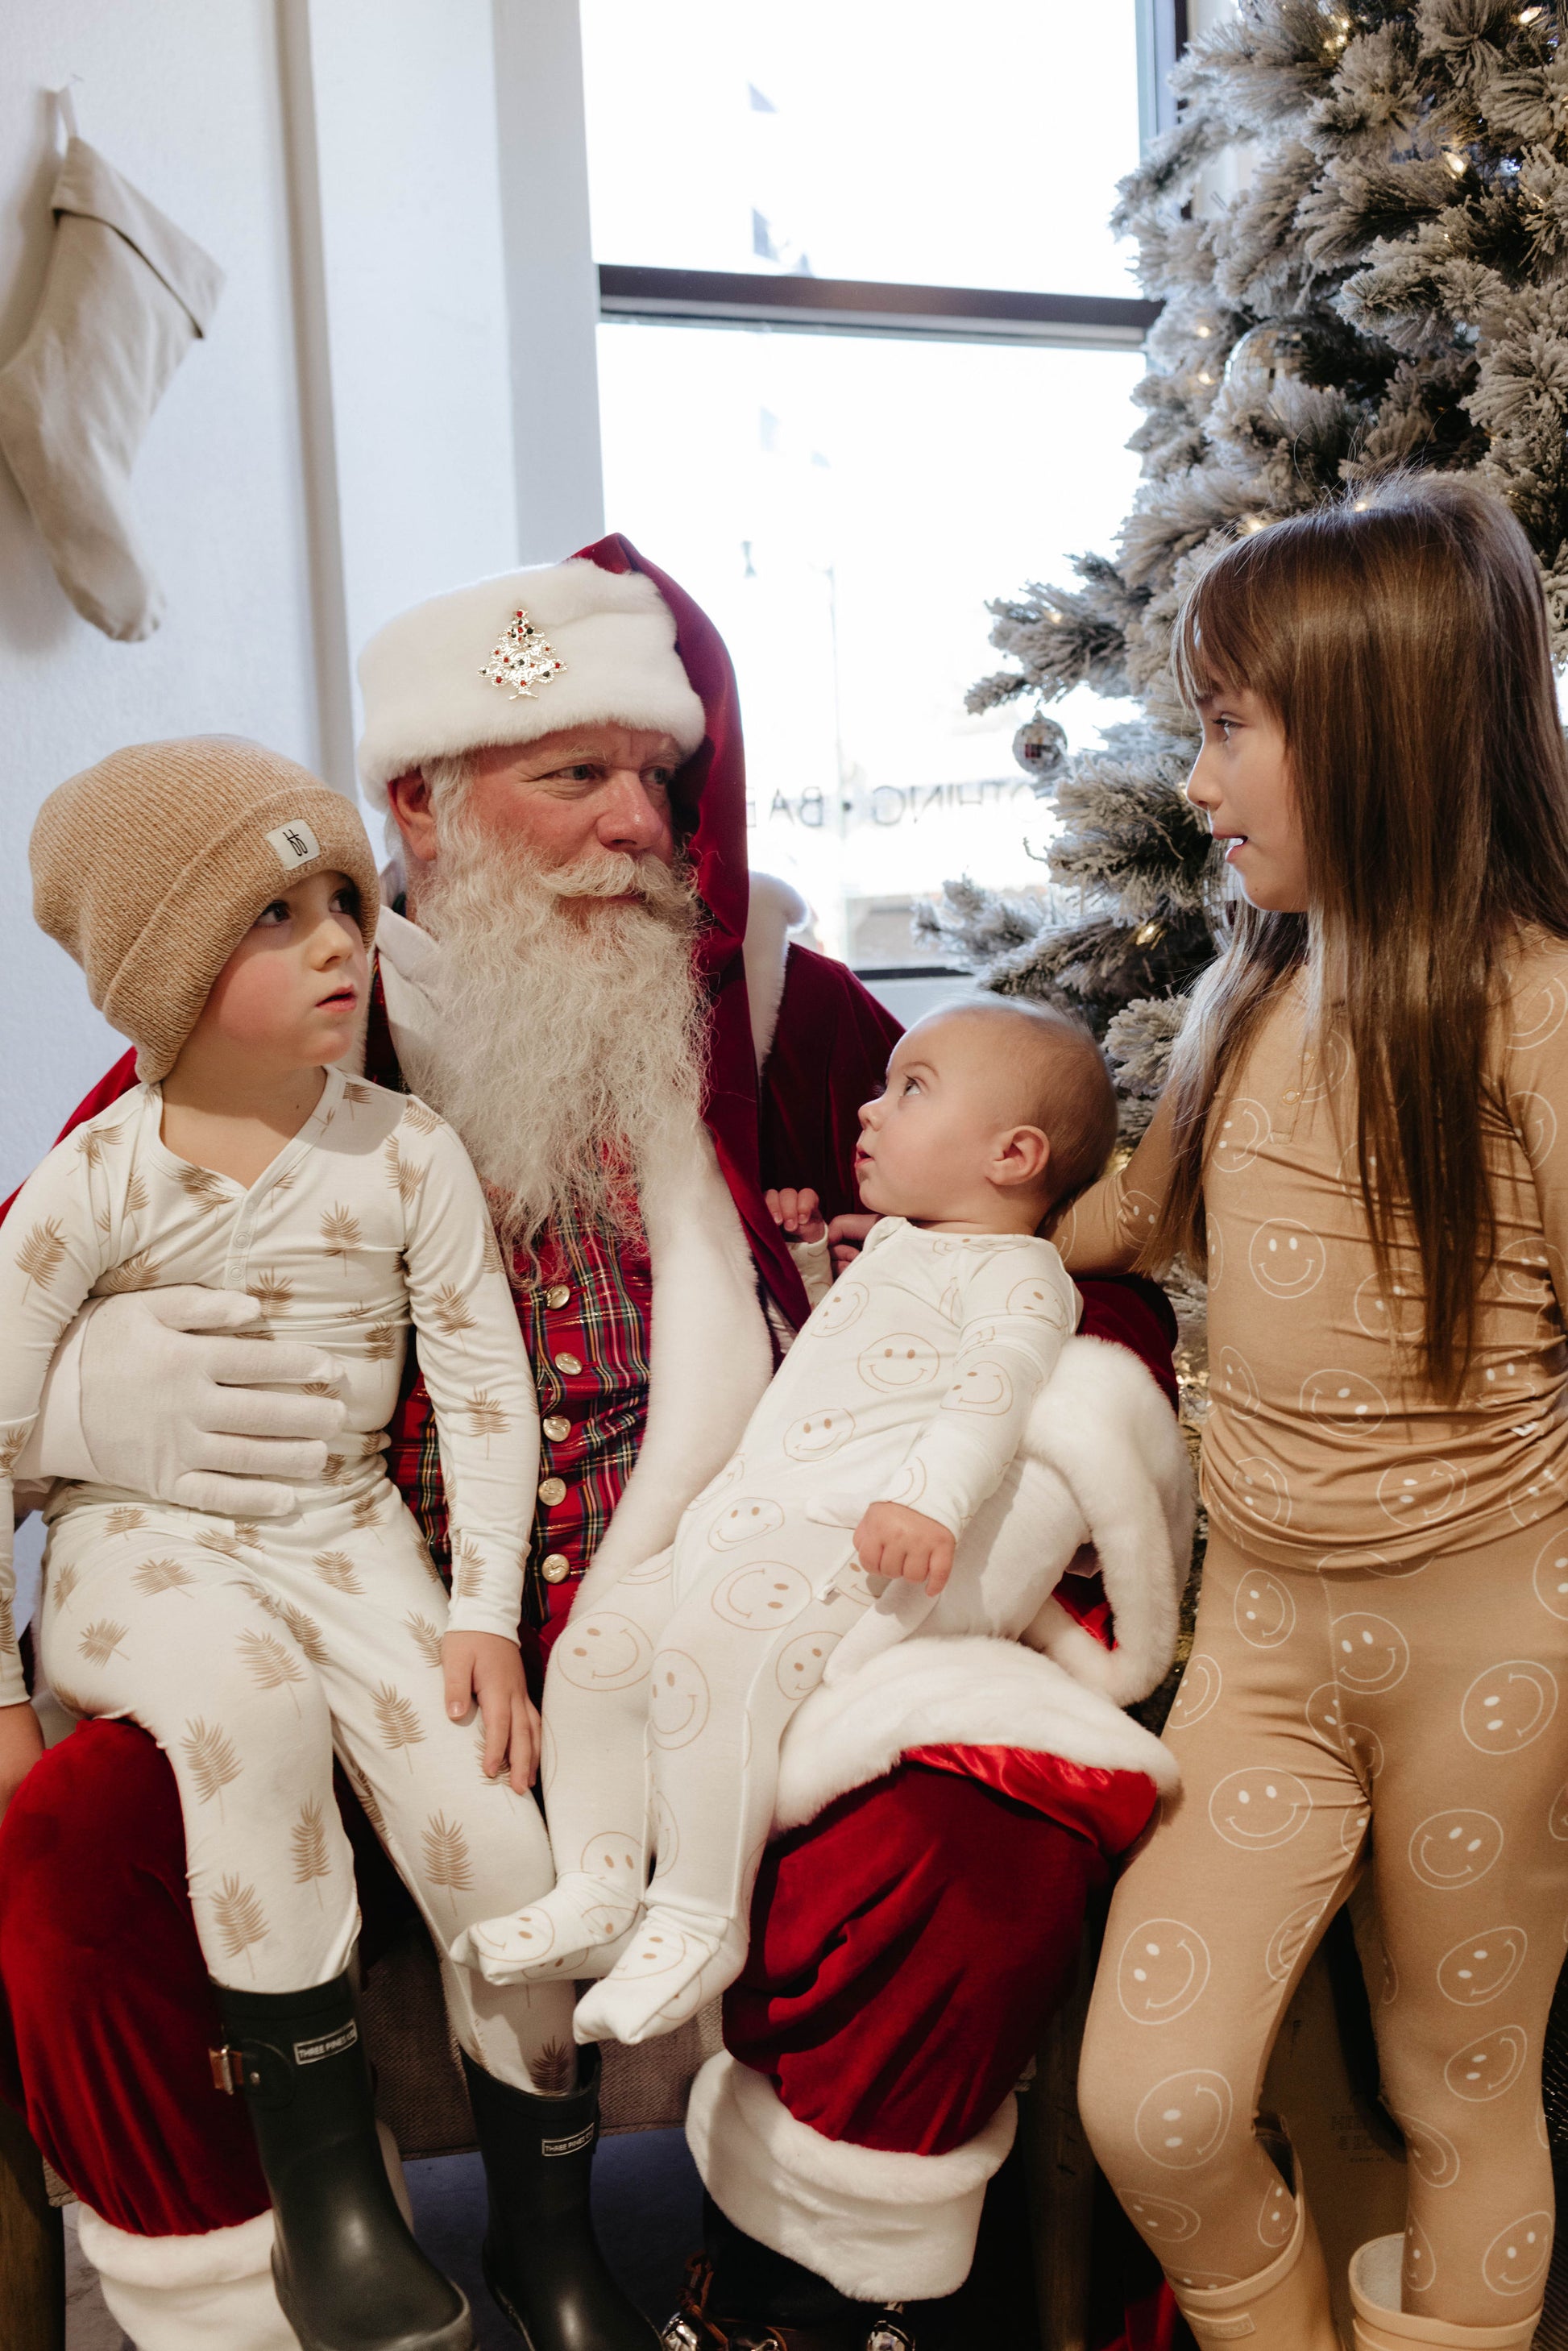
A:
(294, 844)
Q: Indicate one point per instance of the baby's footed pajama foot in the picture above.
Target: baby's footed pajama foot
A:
(673, 1963)
(578, 1929)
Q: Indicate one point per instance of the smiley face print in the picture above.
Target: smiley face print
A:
(1508, 1705)
(1265, 1611)
(1557, 1818)
(1236, 1381)
(1419, 2269)
(819, 1435)
(1041, 1297)
(1243, 1132)
(1530, 1270)
(608, 1653)
(1550, 1576)
(803, 1664)
(1392, 1313)
(1420, 1493)
(678, 1700)
(1182, 2122)
(1535, 1122)
(1341, 1399)
(1370, 1653)
(1536, 1013)
(1197, 1693)
(1163, 2220)
(741, 1521)
(1482, 1966)
(843, 1305)
(1536, 1496)
(761, 1597)
(1287, 1259)
(1263, 1495)
(1277, 2217)
(1487, 2068)
(899, 1364)
(1433, 2157)
(984, 1386)
(1163, 1971)
(1515, 2261)
(1288, 1941)
(1454, 1849)
(908, 1483)
(1258, 1809)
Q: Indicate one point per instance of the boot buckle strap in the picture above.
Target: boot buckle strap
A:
(227, 2070)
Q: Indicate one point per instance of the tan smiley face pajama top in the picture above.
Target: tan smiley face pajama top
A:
(1379, 1678)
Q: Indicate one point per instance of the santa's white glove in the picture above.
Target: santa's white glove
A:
(160, 1393)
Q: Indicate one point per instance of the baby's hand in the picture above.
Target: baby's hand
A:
(483, 1666)
(847, 1236)
(894, 1540)
(800, 1213)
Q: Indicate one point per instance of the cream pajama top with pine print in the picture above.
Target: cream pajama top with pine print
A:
(1378, 1680)
(252, 1651)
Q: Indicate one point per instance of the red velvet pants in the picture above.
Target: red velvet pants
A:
(907, 1945)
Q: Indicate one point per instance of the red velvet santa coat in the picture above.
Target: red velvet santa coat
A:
(110, 2029)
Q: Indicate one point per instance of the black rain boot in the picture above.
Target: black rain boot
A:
(349, 2276)
(542, 2258)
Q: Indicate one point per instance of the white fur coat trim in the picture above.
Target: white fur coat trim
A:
(215, 2257)
(880, 2227)
(773, 911)
(968, 1692)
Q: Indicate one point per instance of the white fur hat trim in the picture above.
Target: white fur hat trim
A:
(427, 697)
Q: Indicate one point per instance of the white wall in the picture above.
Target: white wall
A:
(183, 99)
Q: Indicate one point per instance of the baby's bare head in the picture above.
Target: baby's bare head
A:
(967, 1087)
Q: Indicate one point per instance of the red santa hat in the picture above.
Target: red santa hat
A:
(524, 655)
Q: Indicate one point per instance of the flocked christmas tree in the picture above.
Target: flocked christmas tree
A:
(1389, 287)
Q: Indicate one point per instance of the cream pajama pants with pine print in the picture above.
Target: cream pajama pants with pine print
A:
(1407, 1715)
(252, 1653)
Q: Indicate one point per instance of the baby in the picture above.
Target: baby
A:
(222, 902)
(895, 1414)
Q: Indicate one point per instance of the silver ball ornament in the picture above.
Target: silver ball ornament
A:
(1040, 746)
(1265, 355)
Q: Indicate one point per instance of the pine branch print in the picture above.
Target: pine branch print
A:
(214, 1764)
(90, 1143)
(138, 1272)
(553, 2071)
(271, 1291)
(213, 1539)
(156, 1575)
(336, 1568)
(308, 1838)
(400, 1724)
(369, 1804)
(406, 1178)
(59, 1582)
(13, 1445)
(201, 1185)
(247, 1533)
(335, 1468)
(41, 1255)
(135, 1195)
(450, 1312)
(101, 1640)
(485, 1417)
(366, 1508)
(381, 1342)
(467, 1569)
(269, 1662)
(493, 1260)
(426, 1636)
(447, 1860)
(8, 1622)
(306, 1632)
(356, 1094)
(419, 1116)
(124, 1521)
(341, 1234)
(241, 1920)
(320, 1388)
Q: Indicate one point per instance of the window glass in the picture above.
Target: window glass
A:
(843, 506)
(904, 139)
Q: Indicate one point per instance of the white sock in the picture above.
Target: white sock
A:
(578, 1929)
(671, 1966)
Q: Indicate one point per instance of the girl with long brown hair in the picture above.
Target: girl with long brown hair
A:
(1364, 1139)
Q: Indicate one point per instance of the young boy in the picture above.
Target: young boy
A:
(223, 903)
(895, 1414)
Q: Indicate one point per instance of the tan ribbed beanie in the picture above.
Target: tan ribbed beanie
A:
(150, 867)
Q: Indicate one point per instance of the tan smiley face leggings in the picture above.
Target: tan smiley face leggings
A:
(1416, 1720)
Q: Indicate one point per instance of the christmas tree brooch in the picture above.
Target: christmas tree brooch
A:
(522, 660)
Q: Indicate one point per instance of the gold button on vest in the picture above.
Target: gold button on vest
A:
(556, 1426)
(552, 1490)
(569, 1364)
(555, 1567)
(558, 1294)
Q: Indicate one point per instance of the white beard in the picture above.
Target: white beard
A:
(572, 1033)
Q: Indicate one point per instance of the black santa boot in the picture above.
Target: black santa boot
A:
(349, 2276)
(541, 2259)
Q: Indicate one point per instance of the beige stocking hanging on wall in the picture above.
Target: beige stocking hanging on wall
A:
(126, 295)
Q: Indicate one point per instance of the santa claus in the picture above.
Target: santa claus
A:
(566, 967)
